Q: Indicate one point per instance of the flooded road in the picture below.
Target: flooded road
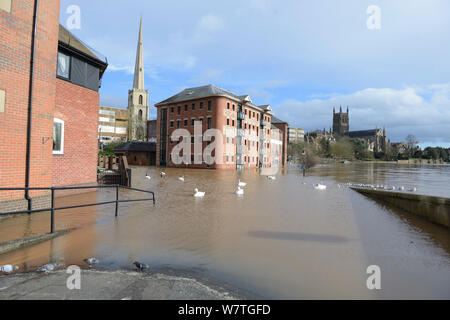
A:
(281, 239)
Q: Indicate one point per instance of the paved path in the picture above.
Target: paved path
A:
(108, 285)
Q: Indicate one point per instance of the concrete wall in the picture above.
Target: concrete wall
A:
(434, 209)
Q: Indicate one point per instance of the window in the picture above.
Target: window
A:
(209, 123)
(233, 107)
(209, 105)
(58, 136)
(193, 106)
(140, 113)
(171, 123)
(179, 110)
(172, 109)
(192, 122)
(228, 122)
(178, 123)
(185, 107)
(63, 65)
(201, 105)
(232, 123)
(141, 99)
(192, 140)
(185, 122)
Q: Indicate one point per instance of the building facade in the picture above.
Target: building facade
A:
(112, 124)
(138, 98)
(375, 138)
(296, 135)
(246, 129)
(55, 98)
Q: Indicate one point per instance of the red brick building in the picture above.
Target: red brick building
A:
(246, 128)
(53, 78)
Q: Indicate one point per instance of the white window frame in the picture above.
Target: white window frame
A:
(62, 136)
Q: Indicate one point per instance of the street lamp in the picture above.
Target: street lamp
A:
(304, 162)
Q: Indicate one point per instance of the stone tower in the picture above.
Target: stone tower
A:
(138, 98)
(340, 122)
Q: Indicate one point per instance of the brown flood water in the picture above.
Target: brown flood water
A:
(282, 239)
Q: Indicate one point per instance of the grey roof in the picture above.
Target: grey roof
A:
(276, 120)
(139, 146)
(362, 133)
(204, 92)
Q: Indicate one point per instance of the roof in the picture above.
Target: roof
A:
(208, 91)
(67, 38)
(276, 120)
(362, 133)
(138, 146)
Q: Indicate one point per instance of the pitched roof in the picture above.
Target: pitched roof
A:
(207, 91)
(67, 38)
(139, 146)
(276, 120)
(362, 133)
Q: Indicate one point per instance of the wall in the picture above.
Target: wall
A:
(78, 107)
(15, 53)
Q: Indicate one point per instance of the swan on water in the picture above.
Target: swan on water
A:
(181, 178)
(198, 194)
(162, 174)
(241, 183)
(320, 186)
(239, 191)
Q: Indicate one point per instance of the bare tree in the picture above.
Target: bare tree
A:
(411, 144)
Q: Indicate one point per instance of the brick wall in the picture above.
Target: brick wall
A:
(78, 107)
(15, 53)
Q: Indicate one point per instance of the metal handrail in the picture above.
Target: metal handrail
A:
(52, 209)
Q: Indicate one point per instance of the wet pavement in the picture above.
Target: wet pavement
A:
(281, 239)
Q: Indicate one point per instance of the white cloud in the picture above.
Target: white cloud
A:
(401, 111)
(210, 22)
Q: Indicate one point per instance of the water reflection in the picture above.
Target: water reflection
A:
(282, 239)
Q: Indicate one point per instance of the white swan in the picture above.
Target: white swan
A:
(147, 176)
(241, 183)
(198, 194)
(401, 188)
(181, 178)
(412, 189)
(239, 191)
(162, 174)
(271, 177)
(320, 186)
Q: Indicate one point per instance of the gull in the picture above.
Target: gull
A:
(401, 188)
(8, 268)
(412, 189)
(239, 191)
(181, 178)
(47, 268)
(198, 194)
(320, 186)
(141, 266)
(241, 183)
(91, 261)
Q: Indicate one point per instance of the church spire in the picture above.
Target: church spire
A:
(139, 68)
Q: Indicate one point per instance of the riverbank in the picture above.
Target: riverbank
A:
(109, 285)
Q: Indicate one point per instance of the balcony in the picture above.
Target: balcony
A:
(241, 116)
(240, 132)
(262, 136)
(264, 123)
(240, 149)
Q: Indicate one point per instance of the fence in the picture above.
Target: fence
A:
(52, 209)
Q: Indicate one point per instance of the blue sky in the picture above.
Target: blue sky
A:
(301, 57)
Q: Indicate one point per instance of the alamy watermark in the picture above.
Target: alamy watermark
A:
(374, 280)
(374, 20)
(74, 19)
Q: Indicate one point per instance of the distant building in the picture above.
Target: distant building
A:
(151, 130)
(296, 135)
(314, 137)
(112, 124)
(283, 126)
(375, 138)
(138, 153)
(246, 127)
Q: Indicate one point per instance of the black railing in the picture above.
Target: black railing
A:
(52, 209)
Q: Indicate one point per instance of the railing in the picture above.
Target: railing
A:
(52, 209)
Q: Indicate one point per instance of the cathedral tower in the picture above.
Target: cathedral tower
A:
(138, 98)
(340, 122)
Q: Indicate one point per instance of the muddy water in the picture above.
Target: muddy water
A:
(282, 239)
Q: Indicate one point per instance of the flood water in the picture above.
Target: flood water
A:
(281, 239)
